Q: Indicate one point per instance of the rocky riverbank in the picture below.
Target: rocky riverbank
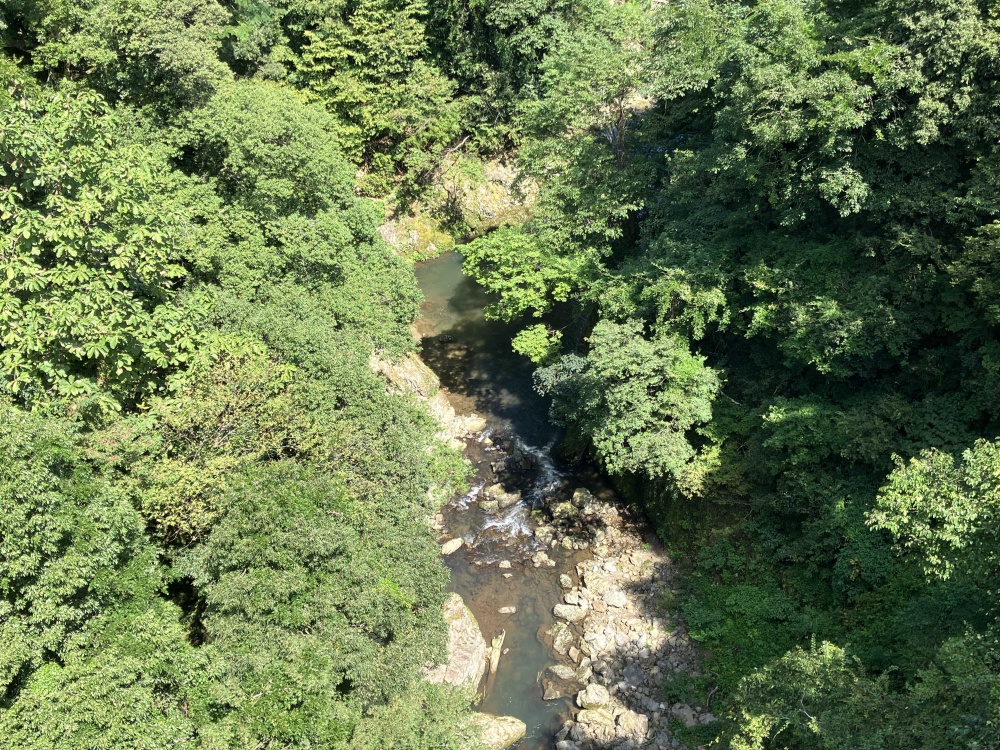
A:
(614, 642)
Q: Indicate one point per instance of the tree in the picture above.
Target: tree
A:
(639, 400)
(813, 699)
(71, 545)
(318, 609)
(945, 511)
(158, 55)
(92, 310)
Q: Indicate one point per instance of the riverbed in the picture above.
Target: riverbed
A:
(481, 374)
(543, 538)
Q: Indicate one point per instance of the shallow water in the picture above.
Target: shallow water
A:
(480, 373)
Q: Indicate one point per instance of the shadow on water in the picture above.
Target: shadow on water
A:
(472, 355)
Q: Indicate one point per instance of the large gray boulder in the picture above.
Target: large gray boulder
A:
(593, 696)
(633, 726)
(467, 649)
(499, 732)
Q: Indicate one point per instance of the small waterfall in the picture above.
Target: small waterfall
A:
(548, 479)
(511, 531)
(471, 496)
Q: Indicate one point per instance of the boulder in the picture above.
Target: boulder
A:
(598, 582)
(452, 546)
(499, 732)
(598, 724)
(570, 612)
(507, 610)
(544, 534)
(685, 713)
(634, 675)
(586, 502)
(593, 696)
(467, 649)
(540, 558)
(616, 598)
(633, 725)
(562, 671)
(552, 690)
(562, 638)
(499, 494)
(564, 511)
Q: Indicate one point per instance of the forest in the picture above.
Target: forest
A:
(759, 278)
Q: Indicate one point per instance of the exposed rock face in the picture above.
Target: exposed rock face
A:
(411, 375)
(467, 649)
(494, 197)
(499, 732)
(487, 195)
(416, 236)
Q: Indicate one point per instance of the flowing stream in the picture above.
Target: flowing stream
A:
(480, 373)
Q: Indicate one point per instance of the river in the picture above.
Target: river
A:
(480, 373)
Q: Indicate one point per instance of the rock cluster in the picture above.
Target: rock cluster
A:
(613, 642)
(496, 498)
(575, 524)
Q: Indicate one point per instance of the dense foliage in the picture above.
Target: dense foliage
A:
(214, 514)
(774, 221)
(778, 221)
